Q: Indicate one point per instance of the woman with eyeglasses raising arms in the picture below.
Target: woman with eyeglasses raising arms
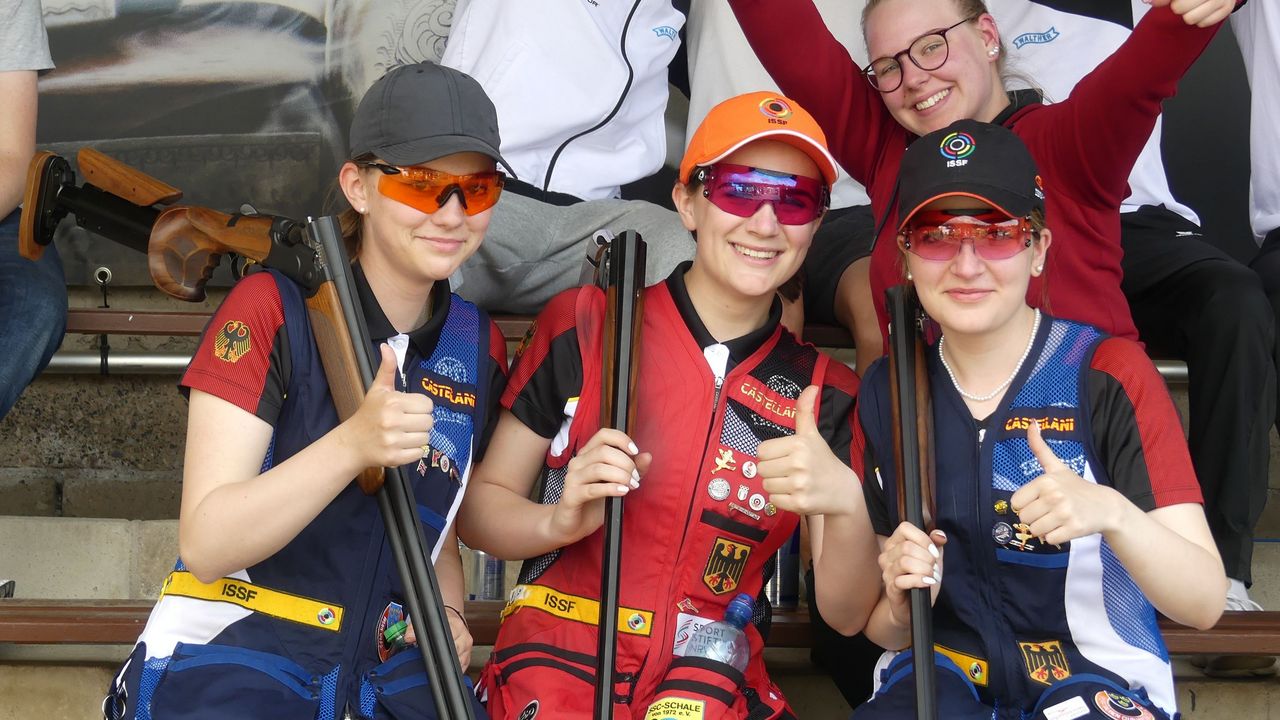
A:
(938, 61)
(285, 601)
(1067, 509)
(738, 428)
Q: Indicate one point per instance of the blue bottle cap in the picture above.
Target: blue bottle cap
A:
(740, 610)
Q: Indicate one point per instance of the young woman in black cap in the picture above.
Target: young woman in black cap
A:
(285, 588)
(1065, 497)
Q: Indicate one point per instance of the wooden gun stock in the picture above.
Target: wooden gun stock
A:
(187, 243)
(123, 181)
(337, 354)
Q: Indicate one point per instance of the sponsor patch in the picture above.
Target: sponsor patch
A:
(1067, 709)
(676, 708)
(1119, 707)
(458, 397)
(232, 341)
(1036, 38)
(1046, 663)
(766, 402)
(529, 712)
(724, 566)
(686, 625)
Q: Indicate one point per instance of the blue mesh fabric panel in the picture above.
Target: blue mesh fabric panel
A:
(152, 670)
(329, 693)
(368, 698)
(455, 358)
(269, 460)
(1130, 614)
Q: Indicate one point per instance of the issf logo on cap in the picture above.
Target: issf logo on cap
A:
(776, 109)
(956, 147)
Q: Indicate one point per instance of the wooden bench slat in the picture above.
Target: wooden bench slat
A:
(118, 622)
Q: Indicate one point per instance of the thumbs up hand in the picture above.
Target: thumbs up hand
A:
(800, 472)
(391, 428)
(1060, 506)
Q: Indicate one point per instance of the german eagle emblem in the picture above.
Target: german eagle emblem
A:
(232, 341)
(725, 565)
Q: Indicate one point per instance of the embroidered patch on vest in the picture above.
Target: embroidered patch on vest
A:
(725, 565)
(1045, 661)
(676, 708)
(232, 341)
(1119, 707)
(765, 402)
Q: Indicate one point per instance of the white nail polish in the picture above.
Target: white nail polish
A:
(937, 574)
(929, 581)
(933, 550)
(635, 478)
(632, 447)
(624, 489)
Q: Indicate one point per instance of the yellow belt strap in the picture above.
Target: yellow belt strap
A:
(974, 667)
(576, 608)
(283, 605)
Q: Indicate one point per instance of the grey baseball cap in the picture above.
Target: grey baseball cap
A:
(416, 113)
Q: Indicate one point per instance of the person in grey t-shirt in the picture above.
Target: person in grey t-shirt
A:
(33, 295)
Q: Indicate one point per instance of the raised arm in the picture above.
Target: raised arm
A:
(813, 68)
(1098, 132)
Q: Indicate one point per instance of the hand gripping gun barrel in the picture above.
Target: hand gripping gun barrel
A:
(912, 411)
(183, 245)
(620, 272)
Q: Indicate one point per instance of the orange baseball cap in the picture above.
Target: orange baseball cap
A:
(753, 116)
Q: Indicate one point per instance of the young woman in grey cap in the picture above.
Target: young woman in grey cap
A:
(1067, 509)
(285, 602)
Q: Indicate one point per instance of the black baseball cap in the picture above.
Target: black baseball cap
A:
(416, 113)
(969, 159)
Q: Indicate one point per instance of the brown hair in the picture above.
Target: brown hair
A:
(350, 221)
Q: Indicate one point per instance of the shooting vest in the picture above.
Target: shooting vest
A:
(1019, 616)
(698, 531)
(297, 635)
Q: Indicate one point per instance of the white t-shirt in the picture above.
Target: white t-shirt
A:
(1055, 49)
(24, 45)
(1257, 29)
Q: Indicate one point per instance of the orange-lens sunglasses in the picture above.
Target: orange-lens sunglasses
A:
(429, 190)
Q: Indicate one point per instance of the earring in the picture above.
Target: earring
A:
(1039, 269)
(993, 51)
(364, 210)
(910, 277)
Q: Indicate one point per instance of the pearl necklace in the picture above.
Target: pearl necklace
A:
(1035, 328)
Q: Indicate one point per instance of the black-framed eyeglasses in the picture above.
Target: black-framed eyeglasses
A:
(927, 52)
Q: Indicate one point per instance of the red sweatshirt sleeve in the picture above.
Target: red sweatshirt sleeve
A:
(814, 69)
(1098, 132)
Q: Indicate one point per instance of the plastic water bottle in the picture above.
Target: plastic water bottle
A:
(724, 640)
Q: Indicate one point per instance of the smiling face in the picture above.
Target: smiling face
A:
(747, 258)
(416, 246)
(968, 294)
(966, 86)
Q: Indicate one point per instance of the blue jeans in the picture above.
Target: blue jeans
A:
(33, 313)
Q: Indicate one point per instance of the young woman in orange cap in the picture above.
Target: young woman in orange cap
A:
(739, 428)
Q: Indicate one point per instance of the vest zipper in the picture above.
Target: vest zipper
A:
(717, 357)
